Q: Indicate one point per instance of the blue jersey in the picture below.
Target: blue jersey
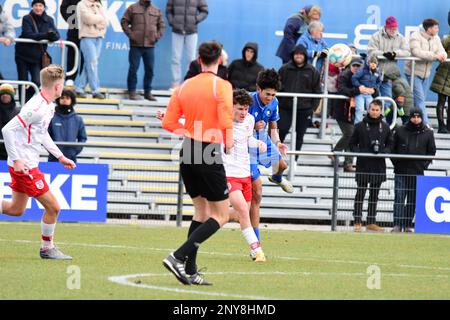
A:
(260, 112)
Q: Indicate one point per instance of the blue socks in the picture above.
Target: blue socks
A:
(257, 234)
(277, 178)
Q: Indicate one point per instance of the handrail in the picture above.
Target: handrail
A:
(121, 145)
(62, 46)
(22, 83)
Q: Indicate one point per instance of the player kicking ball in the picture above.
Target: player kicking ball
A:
(23, 137)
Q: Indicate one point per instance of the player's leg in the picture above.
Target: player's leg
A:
(278, 168)
(48, 224)
(16, 207)
(255, 205)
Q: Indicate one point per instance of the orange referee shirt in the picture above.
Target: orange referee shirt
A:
(206, 101)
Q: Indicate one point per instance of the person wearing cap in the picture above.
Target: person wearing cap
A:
(368, 80)
(389, 44)
(426, 45)
(8, 110)
(344, 110)
(7, 33)
(36, 25)
(412, 138)
(67, 126)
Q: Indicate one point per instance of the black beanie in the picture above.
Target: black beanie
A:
(415, 112)
(38, 1)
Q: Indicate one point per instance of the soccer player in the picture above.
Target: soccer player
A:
(23, 137)
(206, 101)
(265, 111)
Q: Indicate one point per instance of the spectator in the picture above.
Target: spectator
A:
(441, 85)
(388, 42)
(298, 76)
(243, 72)
(332, 87)
(36, 25)
(426, 45)
(8, 110)
(372, 135)
(316, 47)
(184, 16)
(67, 126)
(92, 22)
(7, 33)
(412, 138)
(344, 111)
(68, 11)
(143, 30)
(401, 92)
(368, 80)
(195, 68)
(293, 29)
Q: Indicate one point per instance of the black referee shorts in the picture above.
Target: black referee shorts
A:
(202, 170)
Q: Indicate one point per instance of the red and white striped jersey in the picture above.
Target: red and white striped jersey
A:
(27, 131)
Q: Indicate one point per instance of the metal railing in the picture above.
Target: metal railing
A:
(23, 84)
(62, 45)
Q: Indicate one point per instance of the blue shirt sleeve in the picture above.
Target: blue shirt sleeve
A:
(275, 116)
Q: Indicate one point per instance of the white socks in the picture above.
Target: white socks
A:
(252, 240)
(47, 235)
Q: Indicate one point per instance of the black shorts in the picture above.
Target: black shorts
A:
(204, 174)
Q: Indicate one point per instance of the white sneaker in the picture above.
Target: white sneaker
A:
(284, 184)
(70, 83)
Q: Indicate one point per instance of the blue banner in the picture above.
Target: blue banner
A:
(81, 192)
(433, 205)
(235, 22)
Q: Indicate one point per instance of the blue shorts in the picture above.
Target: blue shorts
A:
(266, 159)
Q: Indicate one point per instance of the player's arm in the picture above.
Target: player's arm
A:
(252, 141)
(9, 137)
(171, 118)
(275, 137)
(51, 147)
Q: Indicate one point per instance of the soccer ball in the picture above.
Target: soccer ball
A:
(340, 55)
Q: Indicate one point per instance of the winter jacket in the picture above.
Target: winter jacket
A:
(32, 53)
(425, 47)
(6, 28)
(367, 77)
(295, 26)
(401, 90)
(7, 112)
(441, 81)
(68, 11)
(184, 15)
(195, 68)
(242, 73)
(343, 111)
(92, 19)
(67, 128)
(365, 134)
(313, 47)
(143, 24)
(412, 139)
(381, 42)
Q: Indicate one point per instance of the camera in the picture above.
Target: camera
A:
(375, 146)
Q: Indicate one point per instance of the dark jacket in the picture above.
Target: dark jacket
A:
(412, 139)
(295, 79)
(68, 128)
(295, 26)
(243, 73)
(441, 80)
(143, 24)
(32, 53)
(195, 68)
(68, 11)
(343, 111)
(401, 90)
(365, 134)
(367, 77)
(184, 15)
(7, 112)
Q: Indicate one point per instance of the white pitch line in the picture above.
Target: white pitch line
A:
(236, 255)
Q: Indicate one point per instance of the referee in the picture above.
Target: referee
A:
(206, 102)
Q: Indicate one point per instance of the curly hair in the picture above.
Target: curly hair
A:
(268, 79)
(241, 96)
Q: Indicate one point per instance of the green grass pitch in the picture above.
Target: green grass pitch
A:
(125, 262)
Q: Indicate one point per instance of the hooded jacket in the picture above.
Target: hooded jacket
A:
(67, 127)
(313, 47)
(425, 47)
(441, 80)
(242, 73)
(295, 79)
(7, 112)
(295, 26)
(143, 24)
(184, 15)
(367, 77)
(401, 90)
(412, 139)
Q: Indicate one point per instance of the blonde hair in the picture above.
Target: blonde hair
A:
(313, 10)
(51, 74)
